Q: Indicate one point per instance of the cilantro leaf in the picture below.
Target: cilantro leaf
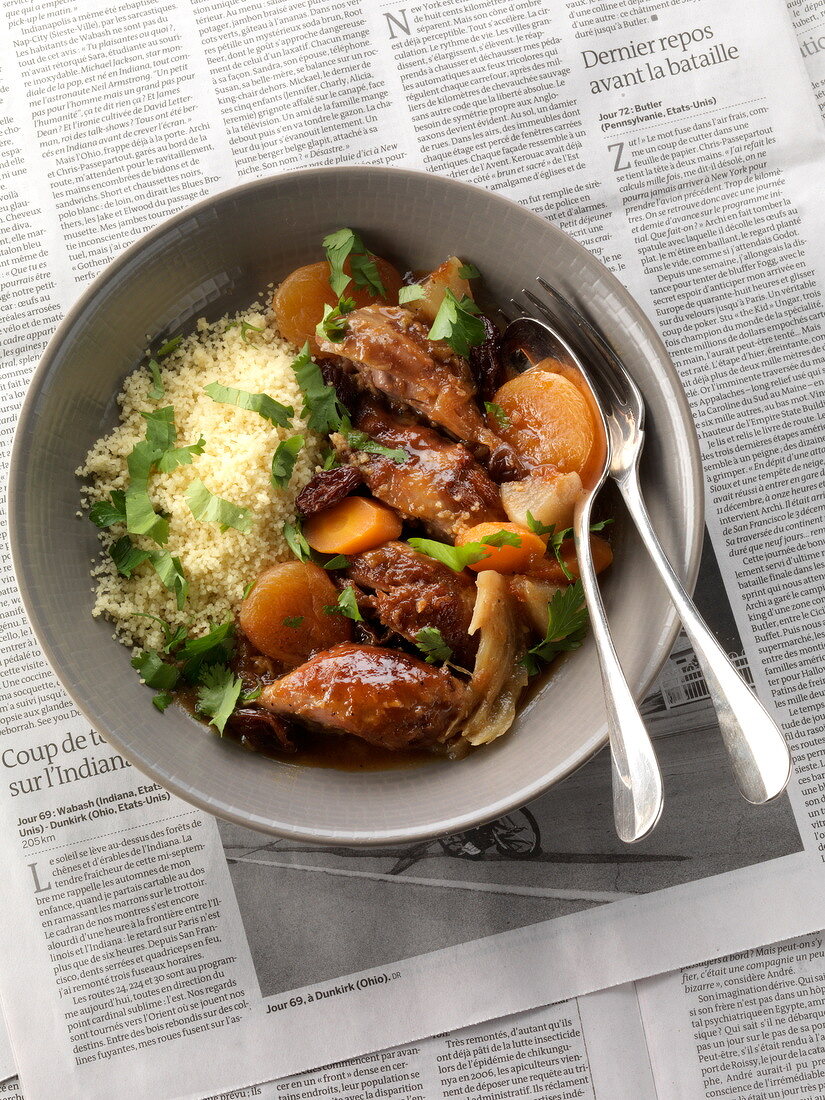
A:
(557, 540)
(106, 512)
(496, 411)
(162, 701)
(360, 441)
(539, 528)
(431, 643)
(208, 508)
(331, 460)
(296, 541)
(245, 328)
(410, 293)
(344, 244)
(209, 649)
(180, 456)
(456, 557)
(169, 347)
(333, 324)
(218, 693)
(126, 556)
(566, 627)
(251, 695)
(261, 403)
(174, 636)
(156, 390)
(338, 562)
(501, 538)
(141, 517)
(468, 271)
(154, 671)
(323, 410)
(338, 246)
(283, 461)
(293, 621)
(170, 571)
(347, 605)
(247, 589)
(161, 432)
(457, 323)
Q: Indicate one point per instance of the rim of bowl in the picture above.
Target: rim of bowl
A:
(207, 803)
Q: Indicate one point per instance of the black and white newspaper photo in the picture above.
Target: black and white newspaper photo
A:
(156, 951)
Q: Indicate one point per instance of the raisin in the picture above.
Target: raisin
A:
(326, 488)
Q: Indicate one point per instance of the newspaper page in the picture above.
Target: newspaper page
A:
(664, 138)
(566, 1051)
(809, 23)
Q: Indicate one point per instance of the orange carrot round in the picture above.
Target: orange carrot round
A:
(350, 526)
(505, 558)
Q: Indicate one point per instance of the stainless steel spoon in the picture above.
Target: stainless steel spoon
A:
(637, 780)
(758, 752)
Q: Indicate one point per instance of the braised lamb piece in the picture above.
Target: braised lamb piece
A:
(440, 484)
(392, 354)
(413, 591)
(381, 695)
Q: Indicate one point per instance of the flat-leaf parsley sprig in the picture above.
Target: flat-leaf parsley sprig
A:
(566, 627)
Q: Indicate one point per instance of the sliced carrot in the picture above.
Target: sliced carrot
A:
(552, 421)
(350, 526)
(505, 558)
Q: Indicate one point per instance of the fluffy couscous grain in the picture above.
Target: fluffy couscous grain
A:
(234, 465)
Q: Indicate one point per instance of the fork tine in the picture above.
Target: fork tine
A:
(540, 306)
(581, 321)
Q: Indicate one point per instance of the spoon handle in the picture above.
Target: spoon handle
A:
(758, 752)
(637, 781)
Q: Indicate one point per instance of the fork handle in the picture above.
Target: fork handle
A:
(758, 752)
(637, 781)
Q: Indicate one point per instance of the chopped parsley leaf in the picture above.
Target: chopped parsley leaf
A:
(156, 390)
(161, 432)
(261, 403)
(296, 541)
(170, 571)
(501, 538)
(338, 562)
(347, 605)
(410, 293)
(344, 244)
(431, 643)
(154, 671)
(106, 512)
(333, 325)
(245, 328)
(126, 556)
(251, 695)
(162, 701)
(456, 557)
(468, 271)
(458, 323)
(566, 627)
(360, 441)
(216, 646)
(169, 347)
(323, 410)
(208, 508)
(539, 528)
(247, 590)
(499, 415)
(180, 456)
(218, 692)
(557, 540)
(283, 461)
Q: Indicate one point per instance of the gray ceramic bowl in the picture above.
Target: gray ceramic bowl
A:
(216, 257)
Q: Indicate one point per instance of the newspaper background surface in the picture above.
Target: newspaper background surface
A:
(67, 224)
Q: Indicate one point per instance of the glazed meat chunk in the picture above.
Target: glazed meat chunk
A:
(380, 695)
(413, 591)
(390, 350)
(440, 483)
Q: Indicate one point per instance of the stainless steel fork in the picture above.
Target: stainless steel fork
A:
(758, 752)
